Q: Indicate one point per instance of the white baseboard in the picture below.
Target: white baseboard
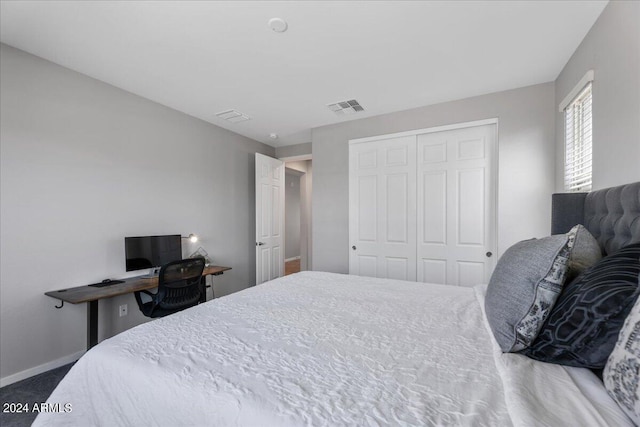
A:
(27, 373)
(292, 258)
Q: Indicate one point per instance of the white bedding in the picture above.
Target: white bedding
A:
(323, 349)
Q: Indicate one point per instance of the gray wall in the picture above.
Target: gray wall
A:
(612, 50)
(292, 215)
(293, 150)
(526, 165)
(84, 164)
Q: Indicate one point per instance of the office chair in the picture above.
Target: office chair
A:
(178, 288)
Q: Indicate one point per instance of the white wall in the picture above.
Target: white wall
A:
(526, 165)
(84, 164)
(612, 50)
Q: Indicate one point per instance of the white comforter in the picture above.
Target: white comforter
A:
(321, 349)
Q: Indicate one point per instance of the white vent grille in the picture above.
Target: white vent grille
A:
(233, 116)
(345, 107)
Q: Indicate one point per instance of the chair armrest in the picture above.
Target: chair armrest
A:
(138, 296)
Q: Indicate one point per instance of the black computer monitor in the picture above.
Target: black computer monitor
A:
(151, 251)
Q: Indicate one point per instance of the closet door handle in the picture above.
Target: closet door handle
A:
(353, 247)
(489, 254)
(260, 243)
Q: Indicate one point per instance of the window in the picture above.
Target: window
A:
(578, 137)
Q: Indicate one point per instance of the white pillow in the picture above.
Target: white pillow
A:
(622, 372)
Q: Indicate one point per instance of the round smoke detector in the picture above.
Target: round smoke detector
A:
(278, 25)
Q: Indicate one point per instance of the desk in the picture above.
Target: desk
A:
(92, 294)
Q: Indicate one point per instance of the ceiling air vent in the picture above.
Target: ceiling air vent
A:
(233, 116)
(345, 107)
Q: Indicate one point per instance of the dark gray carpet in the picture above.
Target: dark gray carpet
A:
(32, 390)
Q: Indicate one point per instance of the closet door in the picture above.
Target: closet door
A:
(456, 217)
(382, 221)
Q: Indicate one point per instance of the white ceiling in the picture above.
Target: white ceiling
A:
(205, 57)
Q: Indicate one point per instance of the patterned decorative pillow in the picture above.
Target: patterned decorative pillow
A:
(586, 251)
(527, 281)
(622, 372)
(583, 326)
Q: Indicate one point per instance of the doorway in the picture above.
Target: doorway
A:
(292, 221)
(298, 182)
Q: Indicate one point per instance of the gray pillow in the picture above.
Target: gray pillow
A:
(621, 374)
(527, 282)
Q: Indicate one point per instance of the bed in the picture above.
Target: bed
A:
(327, 349)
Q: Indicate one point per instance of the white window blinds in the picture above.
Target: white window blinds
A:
(577, 160)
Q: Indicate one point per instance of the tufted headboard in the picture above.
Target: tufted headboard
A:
(612, 215)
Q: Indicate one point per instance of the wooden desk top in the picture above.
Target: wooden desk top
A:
(132, 284)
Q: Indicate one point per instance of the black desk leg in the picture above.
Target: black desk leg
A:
(203, 289)
(92, 324)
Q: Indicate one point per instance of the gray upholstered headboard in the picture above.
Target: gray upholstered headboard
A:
(612, 215)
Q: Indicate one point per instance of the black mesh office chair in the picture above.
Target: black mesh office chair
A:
(178, 288)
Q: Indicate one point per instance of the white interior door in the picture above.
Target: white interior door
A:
(456, 206)
(269, 218)
(382, 195)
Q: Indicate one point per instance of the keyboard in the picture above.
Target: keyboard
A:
(107, 282)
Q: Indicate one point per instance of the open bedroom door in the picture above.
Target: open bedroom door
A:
(269, 218)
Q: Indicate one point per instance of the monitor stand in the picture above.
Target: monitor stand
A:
(154, 272)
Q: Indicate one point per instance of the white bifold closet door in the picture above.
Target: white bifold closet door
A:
(422, 207)
(382, 204)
